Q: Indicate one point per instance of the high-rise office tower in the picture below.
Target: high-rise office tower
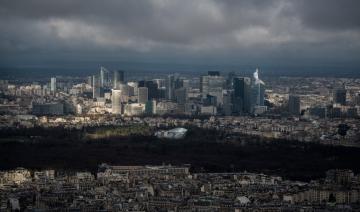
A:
(133, 88)
(212, 85)
(150, 107)
(179, 82)
(142, 95)
(89, 80)
(241, 95)
(294, 104)
(162, 93)
(230, 80)
(227, 105)
(152, 88)
(181, 96)
(170, 87)
(339, 96)
(104, 77)
(181, 99)
(118, 77)
(258, 91)
(116, 101)
(53, 84)
(96, 86)
(125, 89)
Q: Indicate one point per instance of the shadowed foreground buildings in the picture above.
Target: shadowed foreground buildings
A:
(174, 188)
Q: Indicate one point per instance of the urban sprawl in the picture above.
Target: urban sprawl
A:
(320, 110)
(173, 188)
(324, 110)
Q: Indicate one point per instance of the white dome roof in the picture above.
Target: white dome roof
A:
(243, 200)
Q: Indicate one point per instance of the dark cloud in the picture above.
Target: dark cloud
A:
(185, 29)
(329, 14)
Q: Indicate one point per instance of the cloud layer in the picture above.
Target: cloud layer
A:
(273, 31)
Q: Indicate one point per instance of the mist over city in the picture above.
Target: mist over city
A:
(180, 105)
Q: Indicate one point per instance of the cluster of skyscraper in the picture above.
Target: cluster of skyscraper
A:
(236, 95)
(249, 94)
(213, 95)
(104, 80)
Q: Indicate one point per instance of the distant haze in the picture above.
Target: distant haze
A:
(318, 36)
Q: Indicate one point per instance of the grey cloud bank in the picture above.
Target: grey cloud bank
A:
(39, 32)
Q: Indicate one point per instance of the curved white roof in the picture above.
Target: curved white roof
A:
(178, 130)
(242, 200)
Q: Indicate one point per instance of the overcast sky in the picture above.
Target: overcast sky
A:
(279, 32)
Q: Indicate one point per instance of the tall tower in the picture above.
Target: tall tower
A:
(150, 107)
(258, 91)
(116, 101)
(241, 99)
(118, 78)
(104, 77)
(143, 95)
(181, 96)
(53, 84)
(212, 84)
(96, 86)
(170, 87)
(152, 88)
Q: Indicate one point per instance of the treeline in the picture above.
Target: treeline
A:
(52, 134)
(205, 150)
(109, 132)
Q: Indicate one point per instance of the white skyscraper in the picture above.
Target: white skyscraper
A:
(53, 84)
(170, 85)
(104, 77)
(258, 91)
(116, 101)
(259, 84)
(133, 88)
(118, 77)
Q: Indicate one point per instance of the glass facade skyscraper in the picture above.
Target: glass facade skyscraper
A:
(241, 97)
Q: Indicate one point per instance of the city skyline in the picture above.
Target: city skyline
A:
(180, 105)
